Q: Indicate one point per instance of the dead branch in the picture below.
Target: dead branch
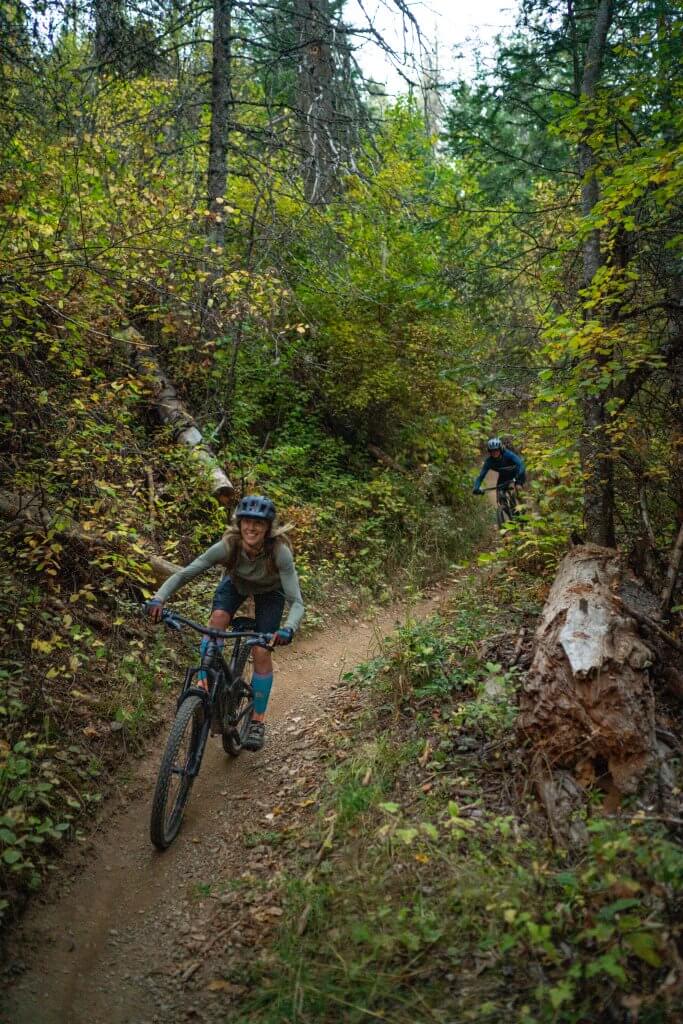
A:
(645, 516)
(149, 473)
(386, 460)
(518, 646)
(649, 623)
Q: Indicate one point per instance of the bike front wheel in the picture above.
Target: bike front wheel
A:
(505, 509)
(176, 772)
(503, 513)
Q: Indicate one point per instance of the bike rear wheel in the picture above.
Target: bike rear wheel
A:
(234, 736)
(174, 781)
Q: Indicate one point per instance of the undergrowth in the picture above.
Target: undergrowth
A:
(436, 894)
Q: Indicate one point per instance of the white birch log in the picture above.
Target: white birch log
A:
(587, 703)
(173, 413)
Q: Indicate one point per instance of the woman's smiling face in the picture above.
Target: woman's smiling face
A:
(253, 531)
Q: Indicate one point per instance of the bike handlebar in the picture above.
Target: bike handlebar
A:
(498, 487)
(175, 621)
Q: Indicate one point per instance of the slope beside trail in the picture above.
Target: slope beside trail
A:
(129, 928)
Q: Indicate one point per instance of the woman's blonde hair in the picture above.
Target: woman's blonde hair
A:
(277, 534)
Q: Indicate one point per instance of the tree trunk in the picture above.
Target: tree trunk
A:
(110, 31)
(315, 101)
(598, 472)
(217, 177)
(596, 462)
(172, 412)
(28, 512)
(672, 572)
(587, 704)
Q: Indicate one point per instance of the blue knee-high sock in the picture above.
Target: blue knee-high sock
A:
(203, 645)
(261, 685)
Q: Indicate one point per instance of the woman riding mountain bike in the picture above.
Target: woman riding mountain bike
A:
(258, 562)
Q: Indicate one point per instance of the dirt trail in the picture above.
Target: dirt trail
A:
(91, 953)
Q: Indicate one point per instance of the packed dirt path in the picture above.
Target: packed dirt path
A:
(121, 939)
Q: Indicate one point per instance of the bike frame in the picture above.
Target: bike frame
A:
(220, 675)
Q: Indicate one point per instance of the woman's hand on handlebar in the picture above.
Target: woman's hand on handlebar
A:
(155, 609)
(282, 636)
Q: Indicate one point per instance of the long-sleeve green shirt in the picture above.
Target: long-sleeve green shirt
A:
(250, 576)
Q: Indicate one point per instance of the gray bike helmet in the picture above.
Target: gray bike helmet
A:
(255, 506)
(494, 444)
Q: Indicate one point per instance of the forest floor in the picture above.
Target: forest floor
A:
(130, 936)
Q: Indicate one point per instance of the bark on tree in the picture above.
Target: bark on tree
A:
(672, 572)
(29, 512)
(110, 30)
(217, 177)
(587, 704)
(598, 470)
(320, 149)
(172, 412)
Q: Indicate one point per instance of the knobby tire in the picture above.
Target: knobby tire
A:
(233, 739)
(165, 822)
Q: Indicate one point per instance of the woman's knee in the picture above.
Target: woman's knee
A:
(220, 619)
(263, 661)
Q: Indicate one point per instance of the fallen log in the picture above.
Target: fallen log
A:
(173, 413)
(29, 512)
(587, 703)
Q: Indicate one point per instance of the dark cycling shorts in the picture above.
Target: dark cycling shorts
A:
(269, 606)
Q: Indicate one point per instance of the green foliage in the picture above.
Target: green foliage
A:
(431, 659)
(71, 707)
(43, 787)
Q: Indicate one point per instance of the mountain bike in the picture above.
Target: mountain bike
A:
(225, 707)
(506, 501)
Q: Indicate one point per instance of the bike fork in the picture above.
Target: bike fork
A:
(193, 767)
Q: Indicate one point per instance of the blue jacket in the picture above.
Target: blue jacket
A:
(509, 466)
